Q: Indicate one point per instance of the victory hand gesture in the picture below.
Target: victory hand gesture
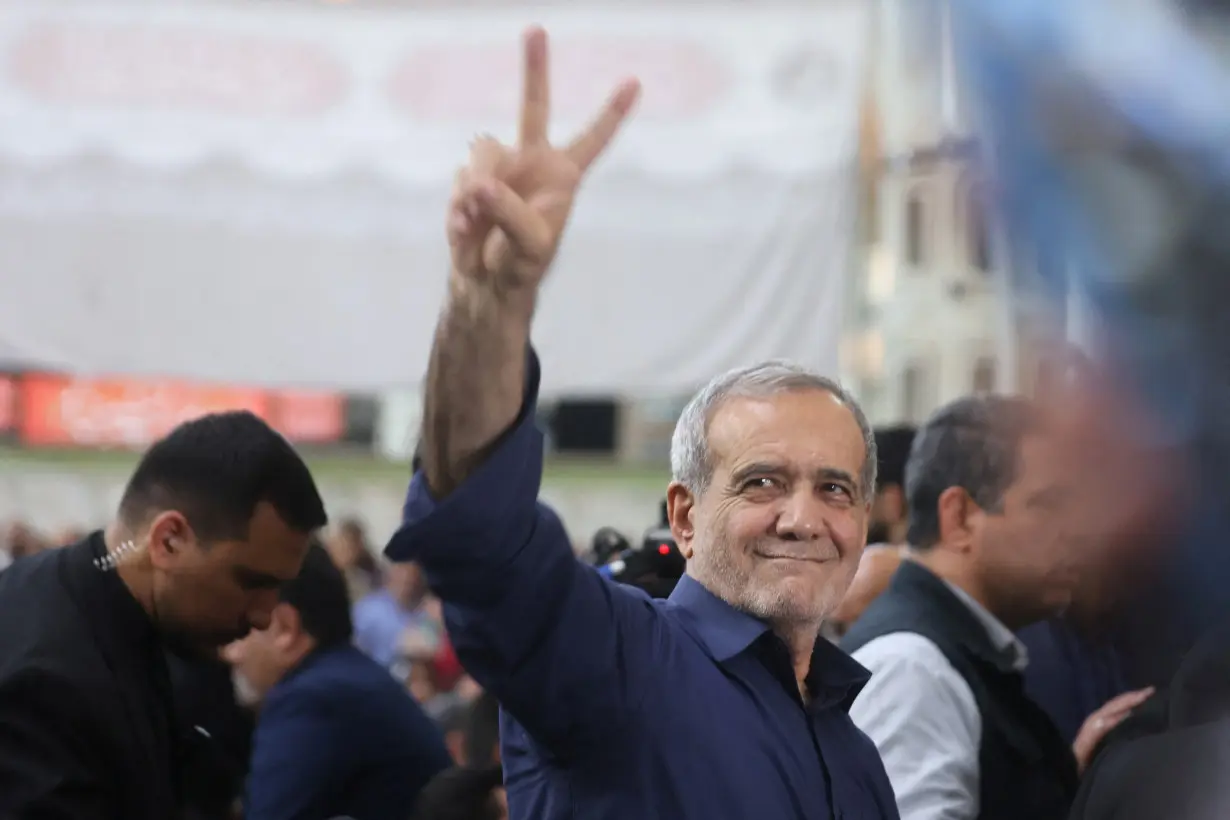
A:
(510, 204)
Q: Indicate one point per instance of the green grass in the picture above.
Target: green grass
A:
(348, 467)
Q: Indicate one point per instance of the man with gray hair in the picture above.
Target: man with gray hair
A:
(718, 703)
(988, 554)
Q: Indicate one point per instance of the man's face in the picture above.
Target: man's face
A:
(259, 660)
(779, 530)
(206, 596)
(1025, 554)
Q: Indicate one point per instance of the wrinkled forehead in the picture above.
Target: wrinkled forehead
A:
(809, 429)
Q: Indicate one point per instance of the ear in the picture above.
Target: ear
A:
(169, 536)
(957, 512)
(285, 626)
(679, 505)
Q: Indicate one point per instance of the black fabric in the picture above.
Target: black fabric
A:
(1027, 771)
(1172, 763)
(461, 793)
(217, 735)
(86, 715)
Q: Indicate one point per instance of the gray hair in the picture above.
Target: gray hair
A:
(691, 460)
(973, 443)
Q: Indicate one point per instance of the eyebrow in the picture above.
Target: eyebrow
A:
(761, 468)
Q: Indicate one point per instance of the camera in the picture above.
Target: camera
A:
(654, 566)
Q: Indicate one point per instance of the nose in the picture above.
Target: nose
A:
(802, 517)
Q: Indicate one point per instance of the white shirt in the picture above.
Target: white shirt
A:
(923, 719)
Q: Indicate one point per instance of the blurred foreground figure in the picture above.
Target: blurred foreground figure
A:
(1111, 167)
(216, 517)
(336, 734)
(721, 702)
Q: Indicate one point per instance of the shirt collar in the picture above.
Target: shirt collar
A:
(726, 632)
(1001, 636)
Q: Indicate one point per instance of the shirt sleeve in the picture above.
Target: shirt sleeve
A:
(364, 639)
(47, 768)
(923, 719)
(562, 649)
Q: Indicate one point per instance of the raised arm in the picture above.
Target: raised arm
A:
(508, 211)
(560, 648)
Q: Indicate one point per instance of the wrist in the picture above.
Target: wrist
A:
(490, 299)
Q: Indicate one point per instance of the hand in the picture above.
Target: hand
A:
(510, 205)
(1097, 725)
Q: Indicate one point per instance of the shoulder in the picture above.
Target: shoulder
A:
(370, 604)
(912, 672)
(55, 637)
(345, 685)
(902, 652)
(32, 581)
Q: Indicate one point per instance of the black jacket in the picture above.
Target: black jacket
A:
(85, 706)
(1026, 769)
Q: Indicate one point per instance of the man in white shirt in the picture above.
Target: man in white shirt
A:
(988, 555)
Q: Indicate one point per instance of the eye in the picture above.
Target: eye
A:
(760, 483)
(838, 489)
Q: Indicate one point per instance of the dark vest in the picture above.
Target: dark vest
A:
(1027, 771)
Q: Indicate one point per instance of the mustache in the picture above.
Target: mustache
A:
(797, 551)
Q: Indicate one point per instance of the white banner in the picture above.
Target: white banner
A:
(258, 195)
(307, 92)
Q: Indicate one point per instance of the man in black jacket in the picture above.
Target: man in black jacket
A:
(215, 518)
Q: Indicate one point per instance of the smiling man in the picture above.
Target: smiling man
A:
(720, 702)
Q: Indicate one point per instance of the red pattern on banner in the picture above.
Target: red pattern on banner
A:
(91, 64)
(457, 82)
(309, 417)
(59, 411)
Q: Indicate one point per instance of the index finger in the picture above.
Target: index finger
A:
(536, 91)
(1128, 700)
(593, 141)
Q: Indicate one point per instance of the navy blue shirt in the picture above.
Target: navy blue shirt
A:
(617, 706)
(339, 737)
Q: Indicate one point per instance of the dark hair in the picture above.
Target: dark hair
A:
(215, 470)
(972, 443)
(482, 731)
(319, 594)
(893, 451)
(460, 793)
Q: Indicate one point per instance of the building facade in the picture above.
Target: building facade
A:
(928, 320)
